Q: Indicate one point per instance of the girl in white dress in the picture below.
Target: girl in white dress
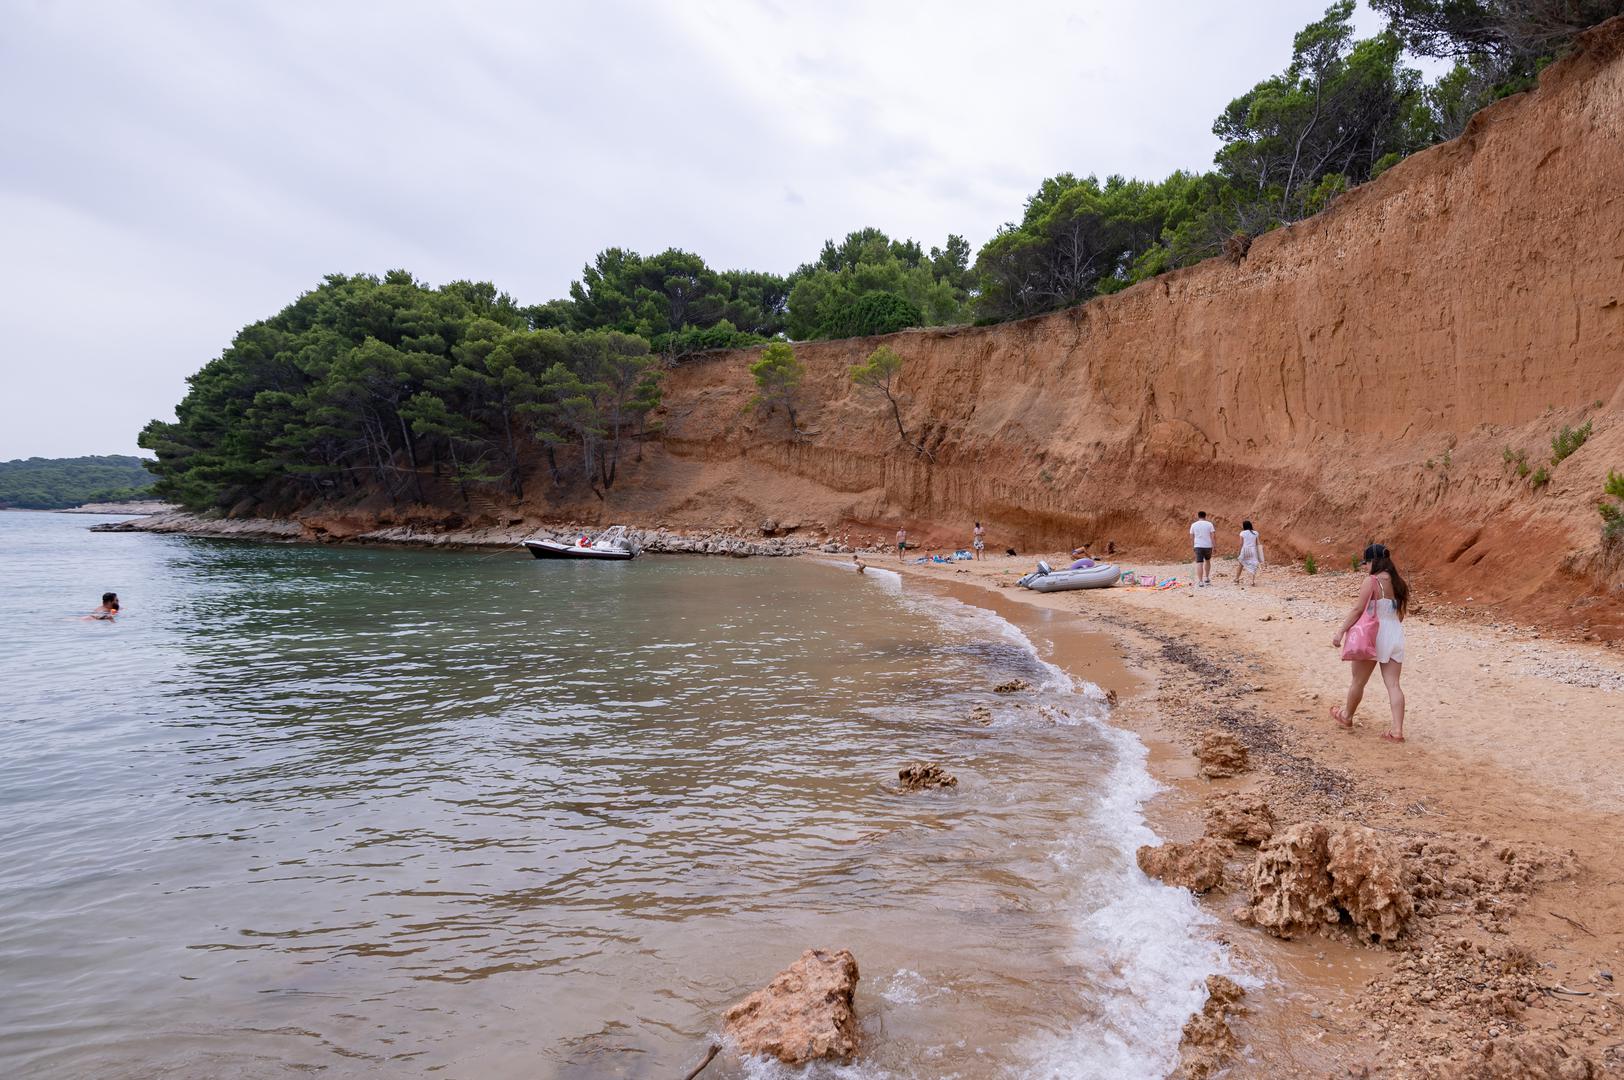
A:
(1251, 554)
(1391, 596)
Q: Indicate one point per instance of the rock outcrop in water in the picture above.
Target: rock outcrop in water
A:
(1208, 1042)
(1317, 874)
(923, 777)
(804, 1014)
(1197, 865)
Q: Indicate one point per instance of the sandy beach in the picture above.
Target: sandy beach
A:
(1504, 801)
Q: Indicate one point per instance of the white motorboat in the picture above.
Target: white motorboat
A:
(1043, 579)
(613, 544)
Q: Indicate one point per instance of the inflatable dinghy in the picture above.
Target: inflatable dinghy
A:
(1043, 579)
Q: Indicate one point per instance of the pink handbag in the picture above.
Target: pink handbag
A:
(1359, 643)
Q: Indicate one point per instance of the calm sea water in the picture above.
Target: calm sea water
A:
(394, 813)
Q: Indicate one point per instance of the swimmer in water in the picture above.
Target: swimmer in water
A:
(108, 610)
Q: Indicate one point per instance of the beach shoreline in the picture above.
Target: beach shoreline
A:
(1506, 793)
(1482, 790)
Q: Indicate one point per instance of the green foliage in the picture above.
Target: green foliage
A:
(58, 483)
(1566, 441)
(871, 284)
(1309, 565)
(389, 385)
(1296, 140)
(778, 376)
(873, 313)
(1499, 46)
(1540, 478)
(665, 293)
(880, 375)
(1612, 514)
(690, 340)
(1507, 456)
(1342, 112)
(1354, 563)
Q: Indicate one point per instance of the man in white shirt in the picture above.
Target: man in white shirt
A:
(1201, 535)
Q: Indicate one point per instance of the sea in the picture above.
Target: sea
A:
(357, 811)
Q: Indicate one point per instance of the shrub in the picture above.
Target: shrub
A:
(1507, 456)
(680, 344)
(1566, 441)
(1612, 514)
(1309, 565)
(875, 313)
(1540, 478)
(1353, 563)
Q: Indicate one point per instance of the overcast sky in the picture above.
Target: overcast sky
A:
(172, 171)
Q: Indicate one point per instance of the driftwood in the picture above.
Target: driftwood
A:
(710, 1055)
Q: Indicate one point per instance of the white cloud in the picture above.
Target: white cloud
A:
(175, 170)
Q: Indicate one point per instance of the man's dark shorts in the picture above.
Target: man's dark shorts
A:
(1203, 554)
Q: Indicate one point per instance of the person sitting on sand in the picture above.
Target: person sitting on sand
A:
(1390, 596)
(979, 539)
(108, 610)
(1251, 554)
(1083, 560)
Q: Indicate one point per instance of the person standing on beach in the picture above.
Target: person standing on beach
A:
(979, 540)
(1201, 535)
(902, 543)
(1251, 554)
(1384, 599)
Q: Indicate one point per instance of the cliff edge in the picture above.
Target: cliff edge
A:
(1370, 373)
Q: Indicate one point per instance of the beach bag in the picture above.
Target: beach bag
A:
(1359, 643)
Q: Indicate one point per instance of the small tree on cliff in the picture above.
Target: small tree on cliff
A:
(778, 381)
(880, 376)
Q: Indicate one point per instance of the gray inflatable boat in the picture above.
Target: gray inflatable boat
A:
(1043, 579)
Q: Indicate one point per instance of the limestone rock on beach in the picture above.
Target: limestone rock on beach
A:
(1532, 1056)
(1243, 817)
(803, 1015)
(1221, 755)
(1313, 875)
(1197, 865)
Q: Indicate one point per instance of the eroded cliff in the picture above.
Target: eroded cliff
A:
(1359, 375)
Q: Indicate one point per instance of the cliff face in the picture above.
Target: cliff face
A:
(1357, 376)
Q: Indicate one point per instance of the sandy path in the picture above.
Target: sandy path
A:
(1515, 742)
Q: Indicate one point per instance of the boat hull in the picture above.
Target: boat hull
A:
(1095, 577)
(550, 549)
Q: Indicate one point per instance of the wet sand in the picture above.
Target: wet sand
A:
(1510, 779)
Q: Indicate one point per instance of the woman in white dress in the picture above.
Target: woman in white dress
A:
(1390, 596)
(1251, 554)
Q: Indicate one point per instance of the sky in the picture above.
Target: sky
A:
(170, 172)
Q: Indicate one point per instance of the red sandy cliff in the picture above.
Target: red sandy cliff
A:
(1356, 376)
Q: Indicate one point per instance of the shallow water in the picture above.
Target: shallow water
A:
(381, 812)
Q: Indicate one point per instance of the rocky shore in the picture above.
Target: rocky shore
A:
(144, 508)
(1446, 909)
(769, 539)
